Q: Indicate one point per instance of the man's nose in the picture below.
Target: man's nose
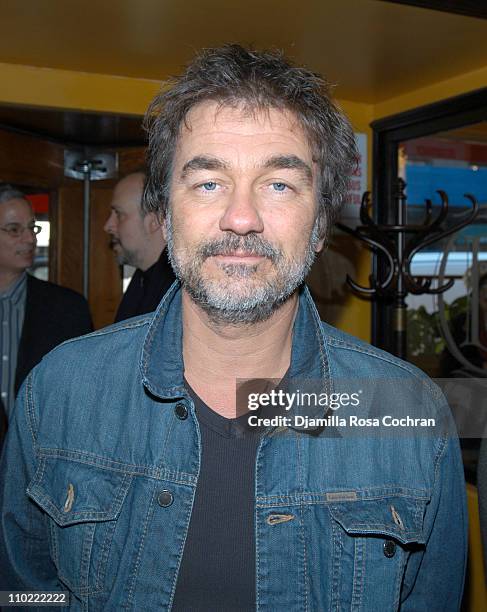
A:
(28, 236)
(242, 215)
(109, 224)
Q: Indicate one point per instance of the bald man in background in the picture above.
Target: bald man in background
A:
(137, 240)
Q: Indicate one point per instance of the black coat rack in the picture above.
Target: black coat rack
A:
(397, 244)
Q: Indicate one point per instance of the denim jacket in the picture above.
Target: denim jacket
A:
(101, 464)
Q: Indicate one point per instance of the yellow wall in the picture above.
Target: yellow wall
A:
(441, 90)
(355, 318)
(475, 586)
(64, 89)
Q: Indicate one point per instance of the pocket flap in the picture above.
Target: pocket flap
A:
(399, 517)
(73, 492)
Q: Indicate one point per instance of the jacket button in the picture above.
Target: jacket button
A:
(165, 499)
(181, 411)
(389, 548)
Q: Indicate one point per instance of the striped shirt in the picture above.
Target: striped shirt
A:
(12, 311)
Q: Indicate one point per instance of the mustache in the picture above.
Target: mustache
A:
(251, 244)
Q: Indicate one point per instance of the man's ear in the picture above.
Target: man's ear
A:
(319, 245)
(152, 222)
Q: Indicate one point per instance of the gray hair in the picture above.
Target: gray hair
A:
(234, 76)
(7, 192)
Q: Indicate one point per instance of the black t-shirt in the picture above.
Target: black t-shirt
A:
(217, 572)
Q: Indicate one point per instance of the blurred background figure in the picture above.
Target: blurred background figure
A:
(136, 239)
(35, 315)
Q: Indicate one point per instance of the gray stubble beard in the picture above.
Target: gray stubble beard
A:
(258, 305)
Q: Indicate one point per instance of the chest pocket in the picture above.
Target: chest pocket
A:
(373, 540)
(83, 503)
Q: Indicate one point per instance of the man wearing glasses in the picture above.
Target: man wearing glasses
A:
(35, 316)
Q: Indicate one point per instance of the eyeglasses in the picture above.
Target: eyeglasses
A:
(15, 230)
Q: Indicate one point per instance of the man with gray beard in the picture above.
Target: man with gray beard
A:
(159, 494)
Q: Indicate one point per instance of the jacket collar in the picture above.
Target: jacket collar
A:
(162, 367)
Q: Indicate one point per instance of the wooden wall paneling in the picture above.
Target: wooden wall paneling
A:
(29, 161)
(105, 287)
(69, 234)
(38, 163)
(130, 160)
(35, 163)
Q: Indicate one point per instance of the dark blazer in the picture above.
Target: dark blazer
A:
(53, 314)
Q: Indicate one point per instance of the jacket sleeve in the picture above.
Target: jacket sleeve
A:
(435, 578)
(25, 559)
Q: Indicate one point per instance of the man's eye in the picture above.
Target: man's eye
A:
(279, 186)
(208, 186)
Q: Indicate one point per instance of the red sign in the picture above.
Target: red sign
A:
(39, 201)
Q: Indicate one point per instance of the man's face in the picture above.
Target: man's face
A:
(16, 253)
(125, 224)
(241, 220)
